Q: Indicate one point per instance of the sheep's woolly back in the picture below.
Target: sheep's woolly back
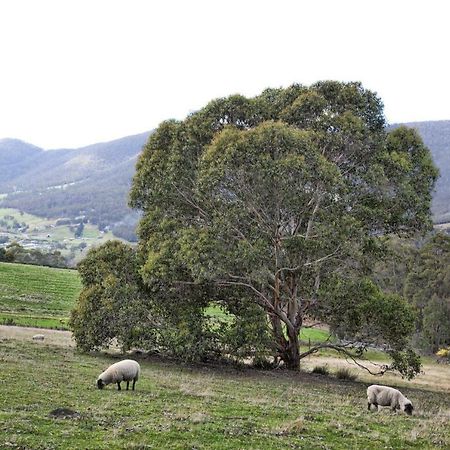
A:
(125, 370)
(386, 396)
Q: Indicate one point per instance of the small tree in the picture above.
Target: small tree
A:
(279, 198)
(113, 302)
(79, 230)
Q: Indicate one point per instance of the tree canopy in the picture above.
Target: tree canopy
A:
(280, 200)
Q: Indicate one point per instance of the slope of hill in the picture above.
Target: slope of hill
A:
(37, 296)
(16, 157)
(92, 181)
(436, 136)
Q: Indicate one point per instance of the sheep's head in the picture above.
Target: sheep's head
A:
(409, 409)
(100, 383)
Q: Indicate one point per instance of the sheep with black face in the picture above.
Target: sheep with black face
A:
(386, 396)
(126, 370)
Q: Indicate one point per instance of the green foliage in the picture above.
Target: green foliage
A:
(112, 303)
(362, 312)
(428, 288)
(115, 305)
(391, 271)
(246, 335)
(14, 252)
(277, 198)
(407, 362)
(435, 135)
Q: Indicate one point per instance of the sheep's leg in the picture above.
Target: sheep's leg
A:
(118, 386)
(128, 383)
(369, 405)
(134, 382)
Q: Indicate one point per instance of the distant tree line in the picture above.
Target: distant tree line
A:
(14, 252)
(419, 270)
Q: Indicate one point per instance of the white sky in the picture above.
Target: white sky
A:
(78, 72)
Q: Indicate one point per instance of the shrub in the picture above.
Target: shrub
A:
(344, 373)
(443, 352)
(321, 370)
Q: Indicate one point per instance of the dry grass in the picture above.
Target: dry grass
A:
(433, 377)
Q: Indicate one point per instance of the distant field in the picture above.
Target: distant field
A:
(198, 407)
(46, 235)
(37, 296)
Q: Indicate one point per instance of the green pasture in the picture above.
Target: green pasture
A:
(36, 321)
(197, 407)
(27, 290)
(29, 219)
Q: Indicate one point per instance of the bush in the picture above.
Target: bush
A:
(443, 354)
(113, 304)
(344, 373)
(321, 370)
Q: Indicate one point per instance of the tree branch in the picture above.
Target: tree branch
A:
(310, 263)
(344, 349)
(265, 301)
(189, 201)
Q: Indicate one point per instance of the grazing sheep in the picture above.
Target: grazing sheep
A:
(38, 337)
(387, 396)
(125, 370)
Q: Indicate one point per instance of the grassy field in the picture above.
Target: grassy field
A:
(198, 407)
(187, 407)
(37, 296)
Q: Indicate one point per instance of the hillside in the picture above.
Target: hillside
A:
(37, 296)
(92, 181)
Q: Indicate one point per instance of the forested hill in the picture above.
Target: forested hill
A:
(436, 136)
(92, 181)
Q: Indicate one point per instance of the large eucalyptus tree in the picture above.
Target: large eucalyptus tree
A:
(281, 200)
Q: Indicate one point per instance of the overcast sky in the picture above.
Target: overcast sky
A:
(79, 72)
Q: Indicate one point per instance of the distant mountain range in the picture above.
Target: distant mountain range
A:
(94, 181)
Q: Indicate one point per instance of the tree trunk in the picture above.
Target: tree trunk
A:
(291, 355)
(288, 349)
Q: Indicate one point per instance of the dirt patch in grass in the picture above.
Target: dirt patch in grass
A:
(53, 337)
(64, 413)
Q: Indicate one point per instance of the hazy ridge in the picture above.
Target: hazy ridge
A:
(94, 181)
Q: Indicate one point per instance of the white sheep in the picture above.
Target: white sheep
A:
(125, 370)
(387, 396)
